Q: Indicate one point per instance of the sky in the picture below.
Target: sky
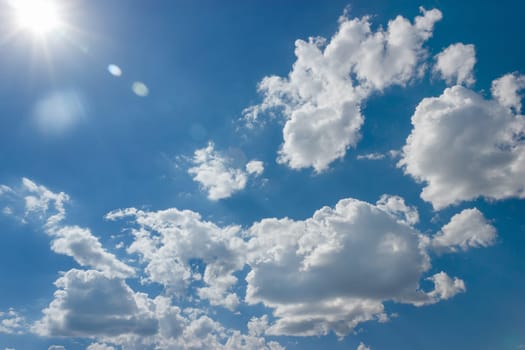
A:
(262, 175)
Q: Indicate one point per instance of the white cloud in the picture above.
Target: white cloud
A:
(362, 346)
(169, 240)
(468, 229)
(40, 201)
(315, 273)
(216, 174)
(87, 250)
(56, 347)
(396, 206)
(505, 90)
(12, 322)
(371, 156)
(456, 63)
(5, 189)
(445, 287)
(255, 167)
(320, 99)
(89, 303)
(463, 146)
(48, 209)
(98, 346)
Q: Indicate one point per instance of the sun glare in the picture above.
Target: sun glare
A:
(38, 16)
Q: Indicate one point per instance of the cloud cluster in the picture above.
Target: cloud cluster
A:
(12, 322)
(326, 273)
(463, 146)
(170, 241)
(321, 97)
(216, 174)
(90, 304)
(315, 274)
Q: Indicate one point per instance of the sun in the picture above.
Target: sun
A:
(40, 17)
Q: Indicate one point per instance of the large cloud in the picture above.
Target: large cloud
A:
(218, 176)
(327, 273)
(463, 146)
(321, 96)
(91, 305)
(334, 270)
(88, 303)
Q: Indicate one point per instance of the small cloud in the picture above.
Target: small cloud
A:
(217, 175)
(255, 167)
(371, 156)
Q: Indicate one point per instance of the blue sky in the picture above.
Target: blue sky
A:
(261, 175)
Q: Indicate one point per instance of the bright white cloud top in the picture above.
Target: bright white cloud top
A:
(463, 146)
(217, 173)
(322, 95)
(456, 63)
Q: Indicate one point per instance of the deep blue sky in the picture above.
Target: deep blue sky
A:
(202, 61)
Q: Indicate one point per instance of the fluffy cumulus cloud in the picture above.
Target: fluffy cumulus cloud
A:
(395, 206)
(48, 209)
(456, 63)
(334, 270)
(314, 274)
(463, 146)
(321, 97)
(89, 303)
(468, 229)
(12, 322)
(255, 167)
(171, 241)
(217, 175)
(326, 273)
(506, 90)
(56, 347)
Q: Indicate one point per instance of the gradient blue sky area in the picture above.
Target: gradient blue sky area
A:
(108, 148)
